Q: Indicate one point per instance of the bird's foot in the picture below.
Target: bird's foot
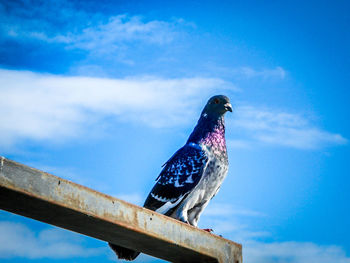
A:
(183, 219)
(208, 230)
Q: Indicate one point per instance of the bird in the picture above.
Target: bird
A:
(194, 174)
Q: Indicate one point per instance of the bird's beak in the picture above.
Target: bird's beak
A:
(228, 107)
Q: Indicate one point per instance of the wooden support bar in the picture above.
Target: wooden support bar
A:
(32, 193)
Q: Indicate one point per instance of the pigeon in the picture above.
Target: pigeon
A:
(193, 175)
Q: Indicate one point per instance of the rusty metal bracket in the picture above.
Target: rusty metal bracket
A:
(32, 193)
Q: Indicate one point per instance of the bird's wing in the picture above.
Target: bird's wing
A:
(179, 176)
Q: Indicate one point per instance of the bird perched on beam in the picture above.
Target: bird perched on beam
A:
(193, 175)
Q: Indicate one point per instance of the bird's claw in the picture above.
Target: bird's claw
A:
(208, 230)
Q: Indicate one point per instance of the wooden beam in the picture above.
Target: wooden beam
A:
(32, 193)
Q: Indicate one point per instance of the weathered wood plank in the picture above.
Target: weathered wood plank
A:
(32, 193)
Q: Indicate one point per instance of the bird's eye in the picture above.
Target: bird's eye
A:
(216, 101)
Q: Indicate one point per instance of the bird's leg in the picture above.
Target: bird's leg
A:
(183, 219)
(208, 230)
(181, 214)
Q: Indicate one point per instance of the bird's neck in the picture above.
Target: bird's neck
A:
(210, 131)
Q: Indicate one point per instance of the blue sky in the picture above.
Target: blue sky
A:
(104, 93)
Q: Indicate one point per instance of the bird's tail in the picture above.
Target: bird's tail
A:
(124, 253)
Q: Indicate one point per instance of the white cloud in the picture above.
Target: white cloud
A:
(222, 209)
(292, 252)
(226, 219)
(249, 72)
(17, 240)
(123, 28)
(63, 23)
(42, 106)
(52, 107)
(90, 36)
(232, 223)
(106, 36)
(280, 128)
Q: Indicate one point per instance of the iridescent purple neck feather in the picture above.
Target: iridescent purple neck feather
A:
(210, 131)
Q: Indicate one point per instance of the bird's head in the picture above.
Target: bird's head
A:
(217, 105)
